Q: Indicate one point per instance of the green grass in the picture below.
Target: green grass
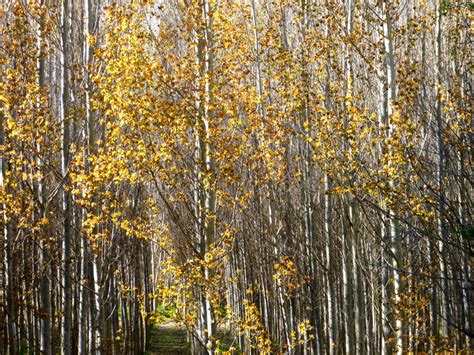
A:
(164, 314)
(166, 340)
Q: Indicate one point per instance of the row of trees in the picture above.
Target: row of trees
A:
(296, 172)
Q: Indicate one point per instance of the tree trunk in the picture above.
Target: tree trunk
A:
(444, 313)
(66, 204)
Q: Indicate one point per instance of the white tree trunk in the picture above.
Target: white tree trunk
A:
(444, 312)
(205, 197)
(393, 228)
(45, 295)
(65, 132)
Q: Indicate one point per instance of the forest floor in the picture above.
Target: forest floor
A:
(169, 338)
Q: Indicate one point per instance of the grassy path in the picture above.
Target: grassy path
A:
(170, 339)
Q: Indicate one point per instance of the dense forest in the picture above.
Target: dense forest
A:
(272, 176)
